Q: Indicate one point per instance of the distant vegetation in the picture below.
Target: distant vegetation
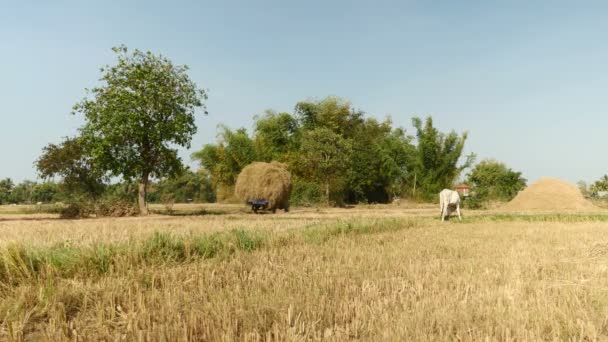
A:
(144, 108)
(338, 155)
(493, 181)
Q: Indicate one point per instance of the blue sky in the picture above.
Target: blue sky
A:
(527, 79)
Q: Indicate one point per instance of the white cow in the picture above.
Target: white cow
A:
(449, 201)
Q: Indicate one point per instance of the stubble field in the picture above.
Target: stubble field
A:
(366, 273)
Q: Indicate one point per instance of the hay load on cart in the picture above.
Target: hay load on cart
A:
(264, 186)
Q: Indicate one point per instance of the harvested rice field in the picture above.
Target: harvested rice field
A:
(218, 272)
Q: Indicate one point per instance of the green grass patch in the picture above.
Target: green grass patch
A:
(20, 263)
(321, 234)
(567, 218)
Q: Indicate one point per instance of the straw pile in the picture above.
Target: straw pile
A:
(549, 194)
(265, 181)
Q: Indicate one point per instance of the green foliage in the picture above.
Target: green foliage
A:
(332, 113)
(492, 180)
(46, 192)
(276, 135)
(28, 192)
(164, 247)
(208, 246)
(379, 162)
(136, 118)
(599, 185)
(22, 192)
(71, 160)
(6, 188)
(436, 160)
(305, 193)
(247, 241)
(337, 155)
(323, 158)
(21, 264)
(188, 187)
(224, 161)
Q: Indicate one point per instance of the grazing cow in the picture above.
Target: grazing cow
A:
(449, 201)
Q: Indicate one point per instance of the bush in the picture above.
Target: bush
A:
(111, 206)
(77, 209)
(116, 207)
(306, 193)
(474, 202)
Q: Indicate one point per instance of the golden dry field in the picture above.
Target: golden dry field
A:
(372, 273)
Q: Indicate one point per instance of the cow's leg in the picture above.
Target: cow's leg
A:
(458, 211)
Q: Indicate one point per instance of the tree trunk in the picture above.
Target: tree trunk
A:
(327, 193)
(141, 200)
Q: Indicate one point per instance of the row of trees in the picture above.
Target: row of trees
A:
(187, 187)
(27, 192)
(336, 154)
(144, 109)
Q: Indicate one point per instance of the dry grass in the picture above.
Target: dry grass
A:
(368, 273)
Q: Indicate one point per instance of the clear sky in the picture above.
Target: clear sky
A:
(527, 79)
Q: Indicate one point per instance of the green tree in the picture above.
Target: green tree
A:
(224, 161)
(136, 118)
(493, 180)
(333, 113)
(188, 187)
(45, 192)
(599, 185)
(379, 163)
(6, 188)
(71, 161)
(323, 157)
(275, 136)
(436, 159)
(22, 192)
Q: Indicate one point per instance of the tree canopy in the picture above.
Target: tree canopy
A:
(72, 161)
(135, 120)
(337, 154)
(435, 166)
(493, 180)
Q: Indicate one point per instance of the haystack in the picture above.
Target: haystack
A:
(265, 181)
(550, 195)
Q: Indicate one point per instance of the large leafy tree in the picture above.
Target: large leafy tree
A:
(275, 135)
(332, 113)
(436, 158)
(224, 161)
(323, 157)
(491, 179)
(143, 110)
(379, 162)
